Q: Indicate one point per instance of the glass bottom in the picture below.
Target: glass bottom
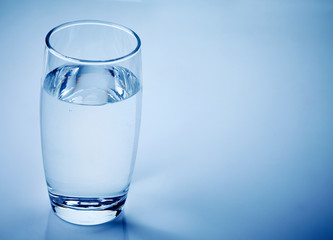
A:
(87, 211)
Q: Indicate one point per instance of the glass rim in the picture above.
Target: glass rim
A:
(91, 22)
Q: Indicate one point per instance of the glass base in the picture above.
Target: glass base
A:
(87, 211)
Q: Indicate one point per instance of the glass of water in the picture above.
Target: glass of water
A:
(90, 109)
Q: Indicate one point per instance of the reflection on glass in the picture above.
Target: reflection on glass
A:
(57, 229)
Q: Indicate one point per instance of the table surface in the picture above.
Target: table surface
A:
(236, 135)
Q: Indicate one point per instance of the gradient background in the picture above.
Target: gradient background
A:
(236, 137)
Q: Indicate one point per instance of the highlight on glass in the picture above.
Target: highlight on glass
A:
(90, 111)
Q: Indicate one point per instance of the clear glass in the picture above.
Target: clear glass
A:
(90, 109)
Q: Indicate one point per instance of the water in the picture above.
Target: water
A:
(90, 119)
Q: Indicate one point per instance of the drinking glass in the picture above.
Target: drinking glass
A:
(90, 111)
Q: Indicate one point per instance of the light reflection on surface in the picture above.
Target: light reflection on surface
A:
(59, 229)
(121, 229)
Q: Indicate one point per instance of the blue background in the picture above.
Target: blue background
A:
(236, 137)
